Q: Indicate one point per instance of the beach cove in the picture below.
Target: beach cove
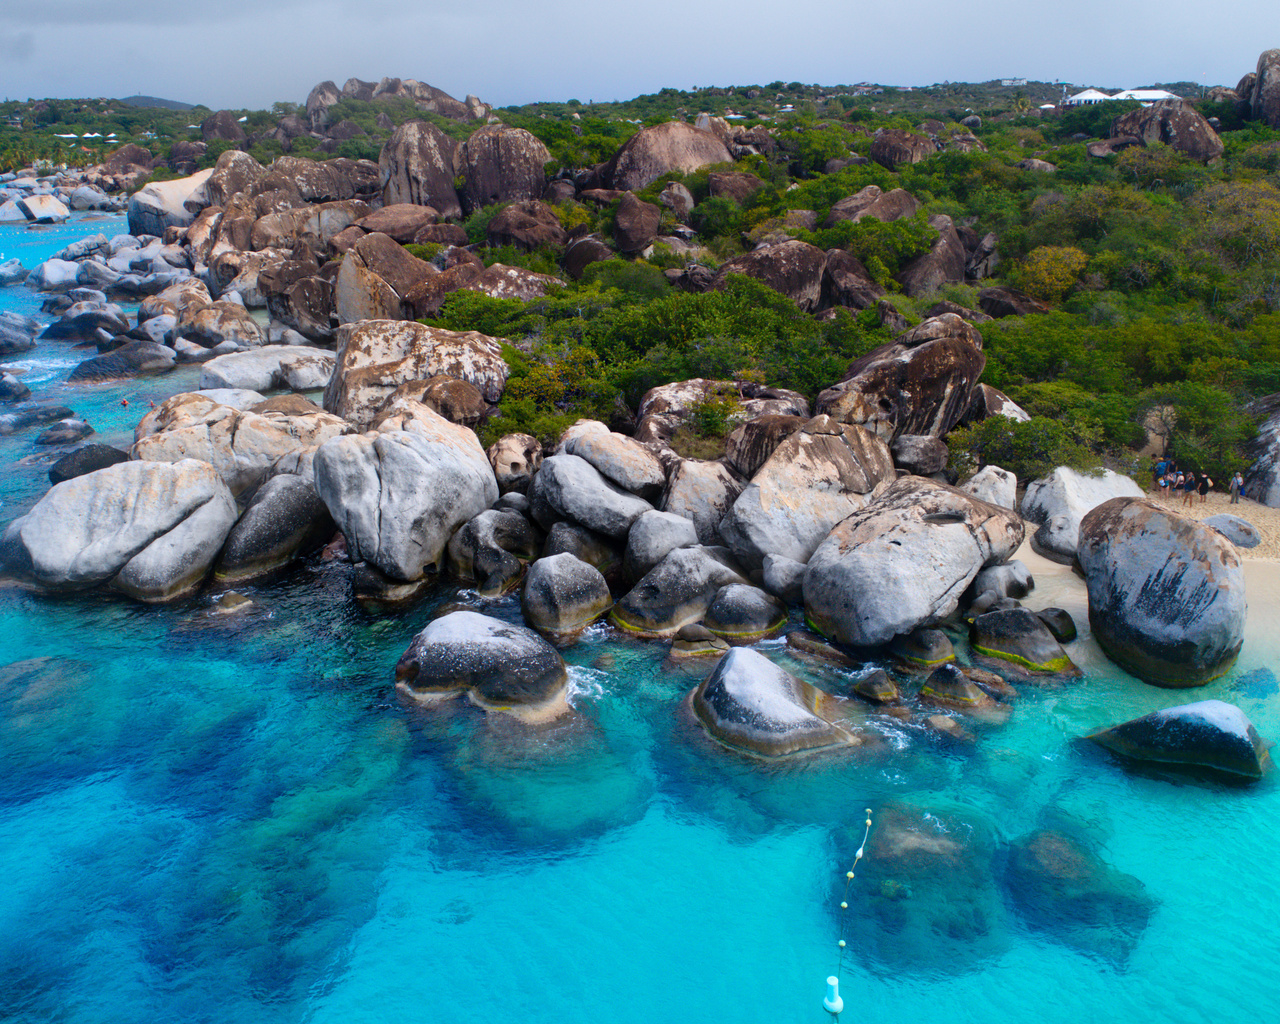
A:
(234, 817)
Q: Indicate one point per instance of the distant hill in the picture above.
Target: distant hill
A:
(156, 101)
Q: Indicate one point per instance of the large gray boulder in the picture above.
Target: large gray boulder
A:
(150, 530)
(562, 596)
(654, 536)
(1264, 96)
(1207, 734)
(285, 519)
(162, 204)
(904, 561)
(750, 704)
(702, 492)
(268, 368)
(1166, 594)
(1262, 478)
(492, 550)
(676, 592)
(1175, 125)
(501, 164)
(569, 487)
(652, 152)
(498, 665)
(400, 491)
(624, 460)
(815, 478)
(1057, 503)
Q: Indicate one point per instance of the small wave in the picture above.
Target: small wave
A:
(585, 684)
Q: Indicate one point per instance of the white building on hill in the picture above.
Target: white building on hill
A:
(1144, 96)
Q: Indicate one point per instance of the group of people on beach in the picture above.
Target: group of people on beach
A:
(1168, 479)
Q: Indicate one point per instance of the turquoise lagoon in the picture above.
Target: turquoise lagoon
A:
(233, 819)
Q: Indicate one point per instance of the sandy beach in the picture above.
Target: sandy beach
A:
(1266, 520)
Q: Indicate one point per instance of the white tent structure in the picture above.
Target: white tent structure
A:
(1144, 96)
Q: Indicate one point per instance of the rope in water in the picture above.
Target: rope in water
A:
(844, 901)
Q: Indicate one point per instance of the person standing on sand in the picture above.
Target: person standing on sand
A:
(1188, 487)
(1237, 482)
(1158, 468)
(1205, 484)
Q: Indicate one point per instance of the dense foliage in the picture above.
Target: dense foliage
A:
(1162, 272)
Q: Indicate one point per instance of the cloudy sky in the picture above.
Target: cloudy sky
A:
(250, 53)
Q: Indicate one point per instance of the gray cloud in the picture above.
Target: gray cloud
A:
(17, 46)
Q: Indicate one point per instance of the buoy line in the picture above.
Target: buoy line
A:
(832, 1002)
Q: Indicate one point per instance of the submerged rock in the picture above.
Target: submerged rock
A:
(750, 704)
(926, 890)
(501, 667)
(1166, 594)
(1062, 887)
(1208, 734)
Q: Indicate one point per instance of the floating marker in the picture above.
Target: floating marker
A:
(833, 1003)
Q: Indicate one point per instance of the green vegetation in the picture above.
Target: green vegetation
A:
(1162, 273)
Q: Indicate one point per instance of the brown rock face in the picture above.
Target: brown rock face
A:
(377, 356)
(998, 302)
(440, 234)
(872, 201)
(126, 159)
(501, 164)
(1264, 96)
(944, 263)
(221, 126)
(328, 181)
(735, 185)
(401, 222)
(418, 166)
(846, 282)
(893, 147)
(1175, 125)
(636, 223)
(651, 152)
(794, 269)
(921, 383)
(582, 252)
(321, 98)
(526, 225)
(455, 400)
(377, 276)
(750, 444)
(234, 172)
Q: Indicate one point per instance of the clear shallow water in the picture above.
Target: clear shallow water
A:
(234, 820)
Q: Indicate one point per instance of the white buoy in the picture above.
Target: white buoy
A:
(833, 1003)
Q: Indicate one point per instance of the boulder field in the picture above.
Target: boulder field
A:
(310, 278)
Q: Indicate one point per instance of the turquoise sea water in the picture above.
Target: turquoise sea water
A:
(233, 819)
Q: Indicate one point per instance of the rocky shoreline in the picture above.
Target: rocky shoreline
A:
(842, 515)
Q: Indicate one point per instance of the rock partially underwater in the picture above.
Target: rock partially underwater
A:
(1209, 734)
(499, 666)
(750, 704)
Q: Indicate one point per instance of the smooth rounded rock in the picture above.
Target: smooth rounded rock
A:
(562, 596)
(1207, 734)
(743, 614)
(652, 537)
(750, 704)
(500, 666)
(1166, 594)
